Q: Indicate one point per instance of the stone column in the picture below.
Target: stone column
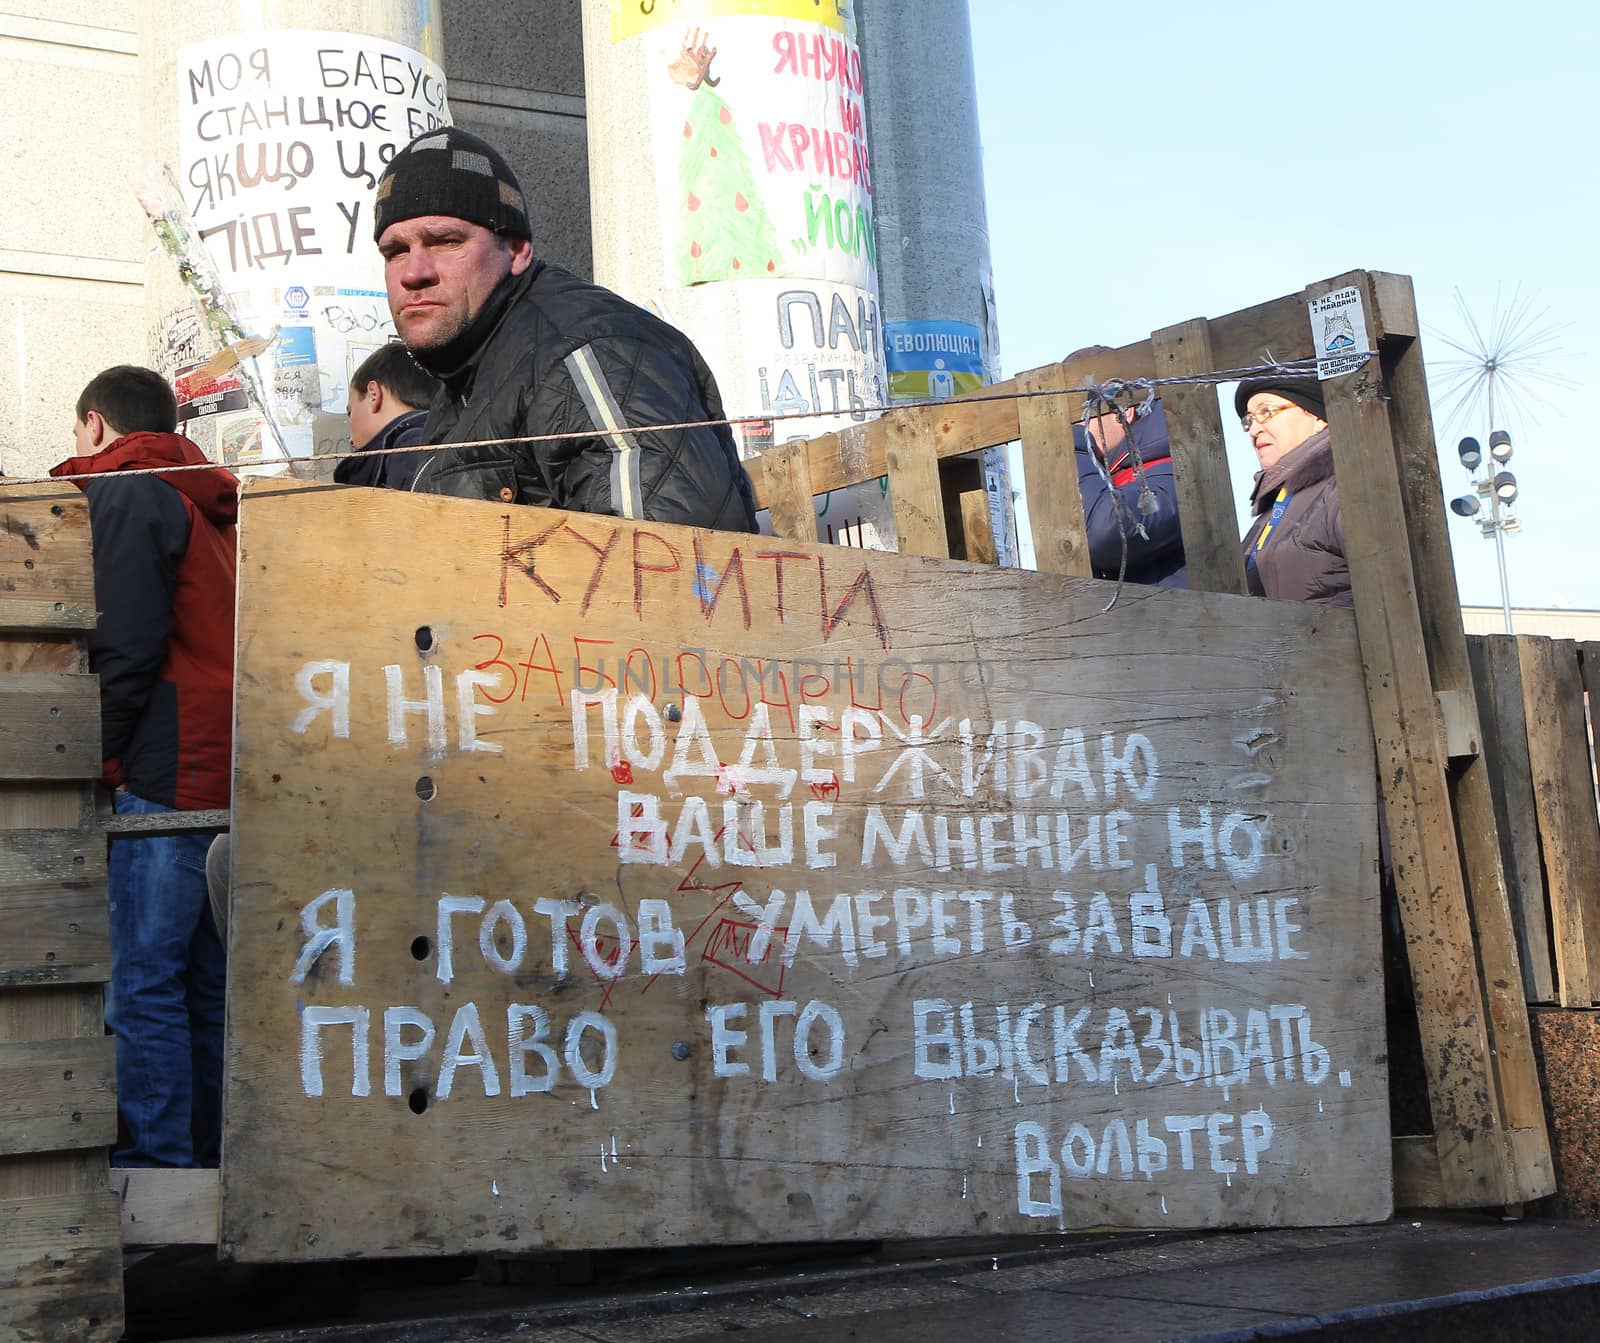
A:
(732, 193)
(274, 119)
(940, 333)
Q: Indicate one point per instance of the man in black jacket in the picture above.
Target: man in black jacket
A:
(389, 400)
(526, 350)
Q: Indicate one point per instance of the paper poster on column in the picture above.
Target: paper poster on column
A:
(764, 197)
(282, 136)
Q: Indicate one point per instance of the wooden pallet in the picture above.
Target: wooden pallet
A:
(1491, 1145)
(60, 1241)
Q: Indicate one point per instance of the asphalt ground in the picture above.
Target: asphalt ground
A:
(1439, 1278)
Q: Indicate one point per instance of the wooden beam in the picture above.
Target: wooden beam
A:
(786, 472)
(1458, 717)
(1417, 1183)
(1563, 791)
(1497, 674)
(168, 823)
(976, 528)
(167, 1207)
(1050, 473)
(1411, 767)
(914, 493)
(1390, 299)
(1211, 548)
(983, 419)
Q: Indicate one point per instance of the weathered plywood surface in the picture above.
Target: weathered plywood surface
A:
(853, 895)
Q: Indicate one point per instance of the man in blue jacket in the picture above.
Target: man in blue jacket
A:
(389, 399)
(1112, 510)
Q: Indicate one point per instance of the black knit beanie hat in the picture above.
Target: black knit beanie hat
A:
(451, 172)
(1302, 392)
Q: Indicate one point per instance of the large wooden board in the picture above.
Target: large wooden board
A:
(953, 854)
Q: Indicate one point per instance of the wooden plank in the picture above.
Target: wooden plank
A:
(871, 1126)
(1411, 764)
(914, 493)
(982, 419)
(977, 530)
(168, 822)
(49, 654)
(786, 470)
(1471, 798)
(1589, 665)
(1458, 720)
(49, 727)
(1211, 548)
(1497, 674)
(57, 1095)
(60, 1268)
(54, 927)
(1050, 474)
(46, 571)
(1417, 1182)
(1264, 332)
(1563, 791)
(167, 1207)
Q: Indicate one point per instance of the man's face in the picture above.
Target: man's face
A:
(440, 272)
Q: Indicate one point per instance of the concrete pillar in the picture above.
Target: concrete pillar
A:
(940, 332)
(732, 193)
(275, 119)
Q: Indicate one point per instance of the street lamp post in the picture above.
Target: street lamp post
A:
(1494, 495)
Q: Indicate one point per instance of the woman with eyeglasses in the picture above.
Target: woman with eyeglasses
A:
(1294, 549)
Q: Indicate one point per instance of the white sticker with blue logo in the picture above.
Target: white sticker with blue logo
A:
(1339, 332)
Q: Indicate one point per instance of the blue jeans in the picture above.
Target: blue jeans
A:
(166, 1001)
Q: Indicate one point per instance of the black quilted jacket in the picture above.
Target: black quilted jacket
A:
(567, 356)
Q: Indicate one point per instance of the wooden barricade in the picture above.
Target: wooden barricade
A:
(60, 1243)
(1490, 1144)
(623, 884)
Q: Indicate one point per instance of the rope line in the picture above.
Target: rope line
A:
(1106, 394)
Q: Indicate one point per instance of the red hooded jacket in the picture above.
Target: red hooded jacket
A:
(164, 571)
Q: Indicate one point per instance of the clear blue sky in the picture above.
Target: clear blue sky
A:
(1177, 160)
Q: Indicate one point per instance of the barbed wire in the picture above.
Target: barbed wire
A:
(1112, 392)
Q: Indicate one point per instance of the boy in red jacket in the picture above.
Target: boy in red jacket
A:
(164, 566)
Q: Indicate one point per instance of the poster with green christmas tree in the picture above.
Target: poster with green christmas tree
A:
(725, 232)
